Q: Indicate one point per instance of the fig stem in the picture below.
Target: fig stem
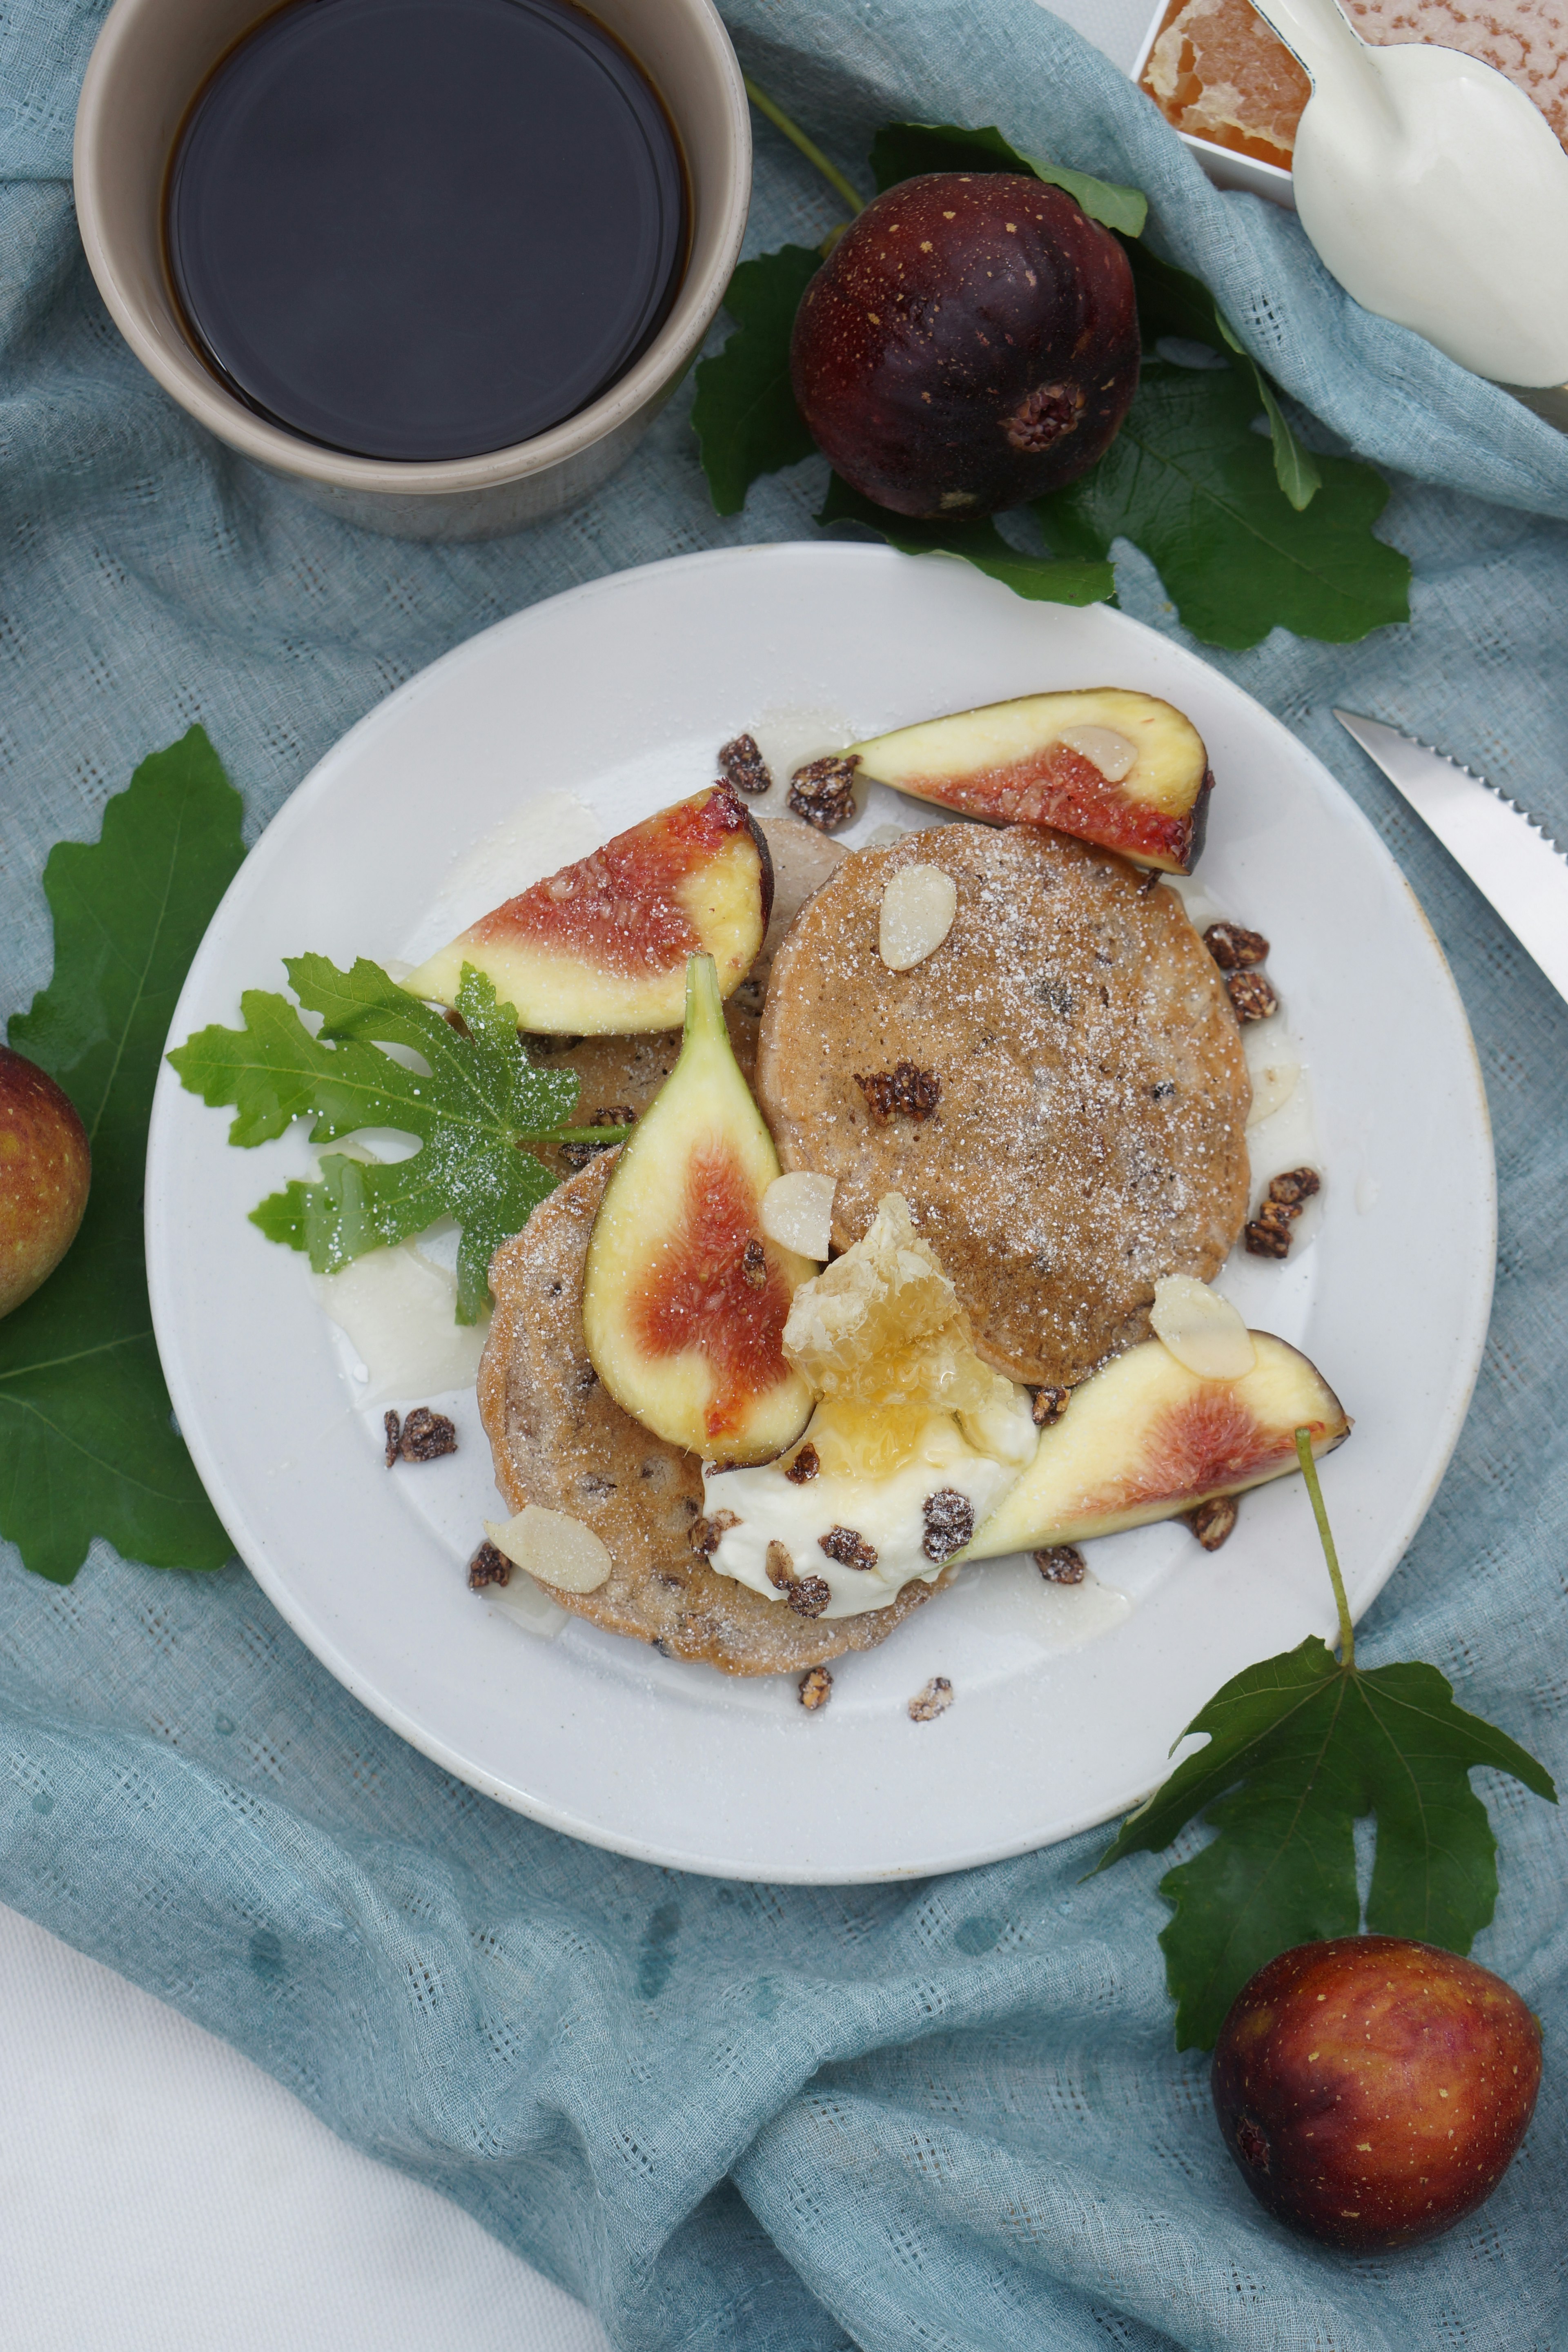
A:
(1325, 1535)
(797, 138)
(575, 1134)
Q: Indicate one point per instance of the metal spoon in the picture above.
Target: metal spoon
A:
(1434, 192)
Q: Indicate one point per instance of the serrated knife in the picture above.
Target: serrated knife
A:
(1502, 850)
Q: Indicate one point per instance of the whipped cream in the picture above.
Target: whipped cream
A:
(914, 1518)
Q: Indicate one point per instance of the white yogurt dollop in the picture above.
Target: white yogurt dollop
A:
(912, 1519)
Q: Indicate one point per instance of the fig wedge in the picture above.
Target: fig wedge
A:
(1146, 1439)
(1106, 763)
(684, 1297)
(600, 948)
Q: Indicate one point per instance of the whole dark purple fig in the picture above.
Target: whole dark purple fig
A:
(972, 343)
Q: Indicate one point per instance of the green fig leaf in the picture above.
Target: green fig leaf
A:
(902, 149)
(87, 1446)
(1298, 1748)
(1172, 301)
(1188, 481)
(744, 415)
(474, 1110)
(1045, 579)
(1296, 469)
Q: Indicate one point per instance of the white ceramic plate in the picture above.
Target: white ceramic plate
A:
(622, 692)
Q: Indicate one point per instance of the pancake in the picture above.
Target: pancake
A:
(560, 1439)
(1088, 1133)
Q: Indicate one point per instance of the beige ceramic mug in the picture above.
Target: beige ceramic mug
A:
(151, 58)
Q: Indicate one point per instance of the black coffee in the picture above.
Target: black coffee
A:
(426, 228)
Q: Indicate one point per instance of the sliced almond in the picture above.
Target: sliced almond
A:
(553, 1546)
(918, 908)
(1115, 755)
(797, 1214)
(1201, 1330)
(1272, 1067)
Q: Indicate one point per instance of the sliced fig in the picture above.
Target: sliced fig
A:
(1105, 763)
(685, 1297)
(602, 947)
(1147, 1439)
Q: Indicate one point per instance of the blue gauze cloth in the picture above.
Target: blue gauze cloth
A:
(946, 2114)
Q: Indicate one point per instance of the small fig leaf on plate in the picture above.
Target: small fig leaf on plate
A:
(474, 1108)
(1298, 1747)
(744, 415)
(1042, 577)
(902, 149)
(1189, 482)
(87, 1446)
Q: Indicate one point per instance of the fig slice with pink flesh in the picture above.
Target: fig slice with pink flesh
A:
(1147, 1439)
(685, 1297)
(1105, 763)
(600, 948)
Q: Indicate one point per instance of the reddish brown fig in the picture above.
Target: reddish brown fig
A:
(972, 343)
(1373, 2091)
(45, 1167)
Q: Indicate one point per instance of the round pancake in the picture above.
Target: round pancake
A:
(1090, 1131)
(560, 1439)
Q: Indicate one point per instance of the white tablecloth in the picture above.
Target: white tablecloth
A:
(159, 2193)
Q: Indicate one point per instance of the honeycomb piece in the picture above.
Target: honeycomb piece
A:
(857, 1329)
(1217, 72)
(882, 1328)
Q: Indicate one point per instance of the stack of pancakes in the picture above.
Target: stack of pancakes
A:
(1087, 1135)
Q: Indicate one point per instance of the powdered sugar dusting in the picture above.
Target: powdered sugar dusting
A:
(1088, 1136)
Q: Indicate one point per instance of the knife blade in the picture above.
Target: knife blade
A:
(1504, 852)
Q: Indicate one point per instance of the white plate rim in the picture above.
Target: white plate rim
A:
(293, 818)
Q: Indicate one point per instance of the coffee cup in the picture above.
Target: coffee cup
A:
(152, 57)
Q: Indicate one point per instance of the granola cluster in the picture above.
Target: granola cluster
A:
(1047, 1405)
(1238, 954)
(808, 1596)
(707, 1534)
(823, 792)
(1269, 1234)
(848, 1548)
(424, 1436)
(934, 1700)
(949, 1523)
(815, 1689)
(742, 767)
(489, 1566)
(1061, 1564)
(1213, 1522)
